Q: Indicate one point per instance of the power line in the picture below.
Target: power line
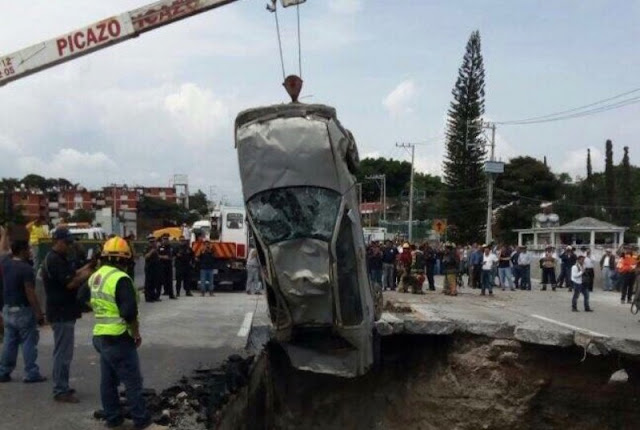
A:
(579, 111)
(560, 203)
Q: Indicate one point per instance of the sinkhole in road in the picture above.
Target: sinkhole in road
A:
(457, 382)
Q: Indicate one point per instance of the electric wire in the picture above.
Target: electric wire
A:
(578, 111)
(299, 42)
(560, 203)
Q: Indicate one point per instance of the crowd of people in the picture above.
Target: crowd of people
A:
(406, 267)
(104, 283)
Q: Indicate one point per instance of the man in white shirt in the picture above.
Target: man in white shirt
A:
(577, 271)
(489, 259)
(524, 264)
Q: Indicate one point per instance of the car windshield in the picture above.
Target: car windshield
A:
(294, 213)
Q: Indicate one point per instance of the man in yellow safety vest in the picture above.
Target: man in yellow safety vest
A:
(116, 335)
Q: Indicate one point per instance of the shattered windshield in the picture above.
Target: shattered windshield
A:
(293, 213)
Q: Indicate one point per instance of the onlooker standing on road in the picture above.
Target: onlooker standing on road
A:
(207, 262)
(116, 336)
(165, 254)
(253, 273)
(589, 273)
(577, 273)
(476, 262)
(183, 265)
(524, 264)
(608, 267)
(568, 259)
(38, 230)
(489, 259)
(374, 258)
(388, 266)
(626, 268)
(430, 266)
(515, 268)
(151, 271)
(504, 268)
(61, 283)
(548, 266)
(450, 267)
(21, 312)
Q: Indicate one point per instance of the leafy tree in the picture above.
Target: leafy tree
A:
(525, 183)
(35, 181)
(610, 181)
(626, 192)
(198, 202)
(82, 215)
(465, 152)
(397, 174)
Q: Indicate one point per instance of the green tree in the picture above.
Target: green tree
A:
(35, 181)
(626, 192)
(610, 180)
(82, 215)
(397, 177)
(198, 202)
(465, 152)
(525, 183)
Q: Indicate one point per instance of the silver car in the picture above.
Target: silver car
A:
(296, 165)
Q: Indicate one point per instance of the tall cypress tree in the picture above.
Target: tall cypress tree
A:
(465, 148)
(610, 180)
(589, 168)
(626, 193)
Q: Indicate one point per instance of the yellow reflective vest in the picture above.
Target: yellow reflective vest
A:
(103, 301)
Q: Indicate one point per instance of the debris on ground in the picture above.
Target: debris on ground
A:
(397, 308)
(194, 402)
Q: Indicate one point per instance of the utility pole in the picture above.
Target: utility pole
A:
(413, 153)
(490, 179)
(383, 192)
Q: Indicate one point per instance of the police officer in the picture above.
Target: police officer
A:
(165, 254)
(151, 269)
(184, 265)
(116, 335)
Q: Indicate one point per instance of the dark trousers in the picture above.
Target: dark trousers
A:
(183, 280)
(119, 363)
(517, 275)
(63, 345)
(626, 285)
(431, 268)
(477, 275)
(167, 281)
(577, 290)
(486, 281)
(525, 277)
(548, 276)
(564, 276)
(151, 284)
(588, 278)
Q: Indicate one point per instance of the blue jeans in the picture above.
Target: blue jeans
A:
(119, 362)
(206, 280)
(63, 343)
(20, 328)
(388, 276)
(376, 276)
(253, 279)
(504, 274)
(577, 289)
(606, 276)
(486, 281)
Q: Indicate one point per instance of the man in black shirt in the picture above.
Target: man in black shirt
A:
(389, 255)
(151, 271)
(165, 254)
(61, 283)
(21, 312)
(207, 260)
(183, 265)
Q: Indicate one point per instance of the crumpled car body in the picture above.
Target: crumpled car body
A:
(296, 165)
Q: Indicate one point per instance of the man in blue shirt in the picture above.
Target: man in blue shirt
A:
(476, 266)
(21, 311)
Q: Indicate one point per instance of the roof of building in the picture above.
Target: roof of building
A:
(588, 223)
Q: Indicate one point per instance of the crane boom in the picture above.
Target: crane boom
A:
(98, 35)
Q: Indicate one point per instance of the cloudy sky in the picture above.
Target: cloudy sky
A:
(165, 102)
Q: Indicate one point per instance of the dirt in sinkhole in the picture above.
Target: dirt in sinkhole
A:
(454, 382)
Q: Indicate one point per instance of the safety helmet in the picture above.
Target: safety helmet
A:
(405, 245)
(116, 247)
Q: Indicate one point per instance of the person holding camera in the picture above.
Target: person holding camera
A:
(21, 311)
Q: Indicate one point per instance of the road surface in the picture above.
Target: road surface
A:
(178, 336)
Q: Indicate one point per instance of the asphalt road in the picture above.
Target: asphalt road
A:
(545, 308)
(178, 336)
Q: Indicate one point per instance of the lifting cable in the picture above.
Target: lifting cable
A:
(274, 8)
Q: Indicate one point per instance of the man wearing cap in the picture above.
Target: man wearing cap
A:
(548, 266)
(608, 267)
(524, 263)
(165, 255)
(61, 283)
(577, 273)
(568, 260)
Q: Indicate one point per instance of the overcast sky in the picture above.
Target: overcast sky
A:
(165, 102)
